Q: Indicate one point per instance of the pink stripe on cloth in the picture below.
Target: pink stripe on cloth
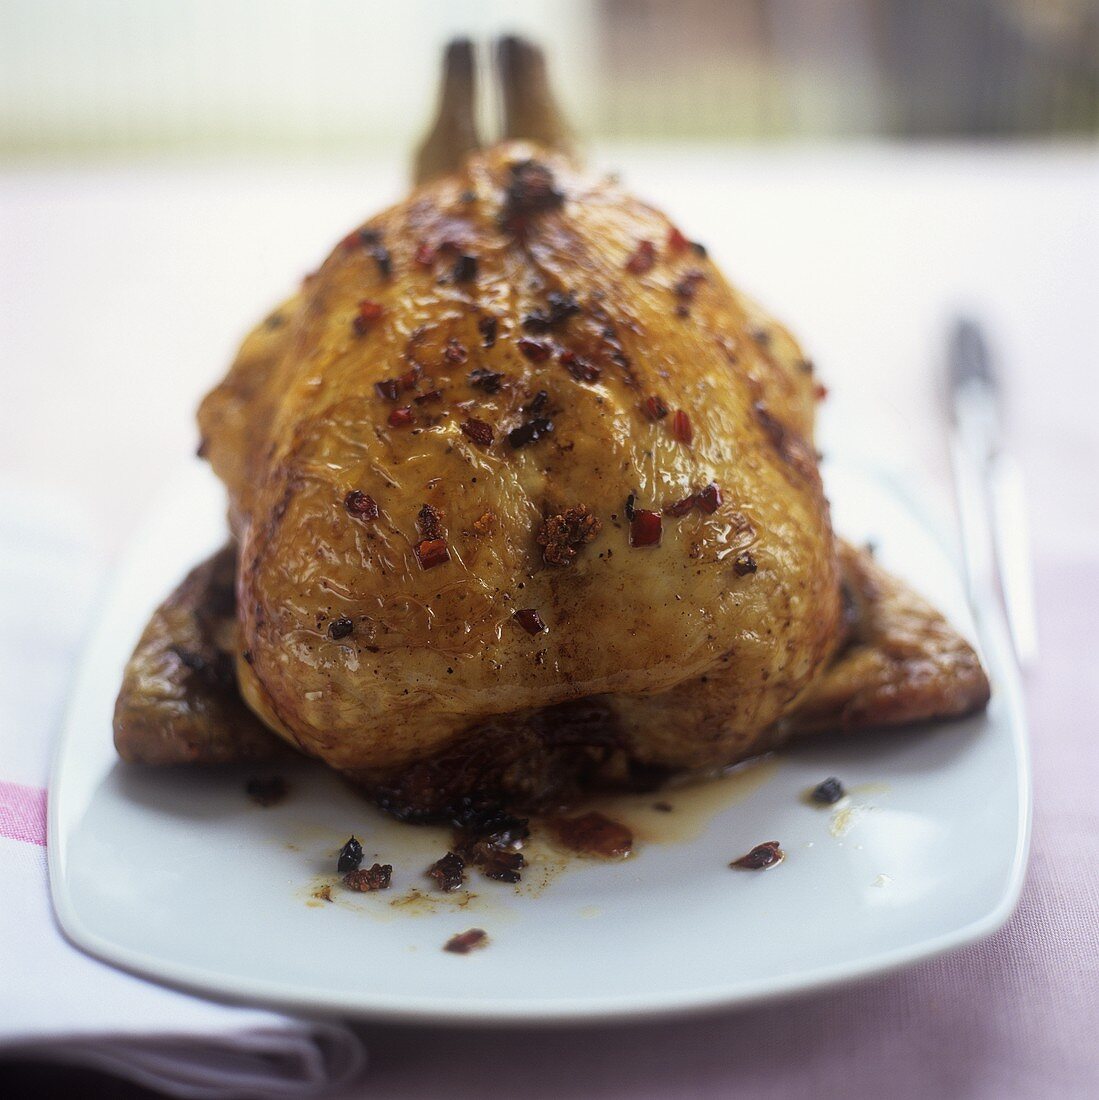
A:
(23, 813)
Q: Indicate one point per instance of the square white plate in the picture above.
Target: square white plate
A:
(177, 875)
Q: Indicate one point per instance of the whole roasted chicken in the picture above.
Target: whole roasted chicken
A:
(523, 498)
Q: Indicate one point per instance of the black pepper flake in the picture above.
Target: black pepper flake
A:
(581, 369)
(371, 240)
(828, 792)
(340, 628)
(430, 523)
(487, 380)
(531, 190)
(537, 403)
(763, 855)
(465, 268)
(351, 855)
(686, 287)
(629, 506)
(448, 872)
(744, 564)
(487, 328)
(530, 432)
(560, 306)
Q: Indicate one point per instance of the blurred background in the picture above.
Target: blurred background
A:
(868, 169)
(118, 78)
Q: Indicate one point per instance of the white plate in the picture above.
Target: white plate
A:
(176, 875)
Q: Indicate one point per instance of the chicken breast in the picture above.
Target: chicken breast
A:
(516, 444)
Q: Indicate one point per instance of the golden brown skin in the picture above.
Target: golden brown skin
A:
(902, 662)
(179, 702)
(694, 655)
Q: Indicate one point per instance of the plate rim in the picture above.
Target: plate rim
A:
(383, 1007)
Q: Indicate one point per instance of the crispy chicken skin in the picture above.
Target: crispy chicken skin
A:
(695, 653)
(902, 661)
(179, 702)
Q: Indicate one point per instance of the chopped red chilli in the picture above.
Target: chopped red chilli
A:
(361, 505)
(761, 856)
(681, 427)
(709, 499)
(530, 620)
(367, 881)
(676, 241)
(645, 528)
(654, 407)
(368, 313)
(400, 418)
(642, 258)
(464, 942)
(425, 254)
(681, 507)
(392, 388)
(432, 552)
(477, 430)
(537, 351)
(340, 628)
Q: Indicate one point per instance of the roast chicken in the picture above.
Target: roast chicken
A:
(523, 498)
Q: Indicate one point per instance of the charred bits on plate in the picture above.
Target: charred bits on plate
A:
(366, 881)
(828, 792)
(448, 872)
(351, 855)
(768, 854)
(464, 942)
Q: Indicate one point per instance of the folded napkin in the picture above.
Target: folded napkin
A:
(55, 1002)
